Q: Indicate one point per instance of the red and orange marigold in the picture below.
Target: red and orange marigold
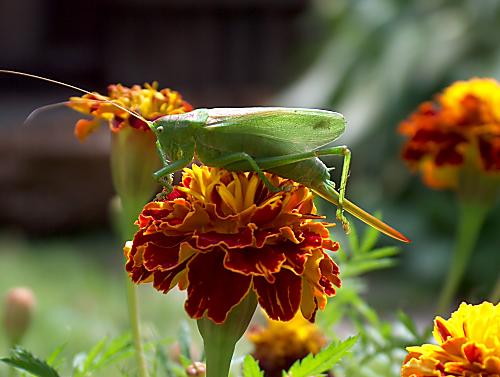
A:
(147, 101)
(222, 234)
(461, 127)
(468, 345)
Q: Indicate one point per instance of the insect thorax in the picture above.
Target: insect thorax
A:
(176, 133)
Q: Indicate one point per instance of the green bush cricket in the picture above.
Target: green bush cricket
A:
(283, 141)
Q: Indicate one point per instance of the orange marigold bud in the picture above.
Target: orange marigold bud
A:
(197, 369)
(18, 310)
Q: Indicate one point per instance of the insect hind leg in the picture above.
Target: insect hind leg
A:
(273, 162)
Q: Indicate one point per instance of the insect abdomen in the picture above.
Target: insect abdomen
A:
(308, 172)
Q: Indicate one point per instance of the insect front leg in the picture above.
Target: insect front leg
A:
(232, 158)
(164, 175)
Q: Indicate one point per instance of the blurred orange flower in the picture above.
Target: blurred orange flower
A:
(280, 344)
(221, 234)
(147, 101)
(468, 345)
(461, 127)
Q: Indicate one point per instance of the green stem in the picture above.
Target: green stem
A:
(220, 339)
(471, 218)
(133, 313)
(128, 215)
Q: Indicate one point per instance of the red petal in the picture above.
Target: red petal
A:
(280, 300)
(235, 240)
(441, 328)
(473, 353)
(138, 274)
(252, 261)
(296, 257)
(163, 279)
(329, 275)
(213, 290)
(265, 214)
(264, 236)
(163, 254)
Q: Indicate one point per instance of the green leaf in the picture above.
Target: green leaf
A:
(408, 323)
(353, 240)
(313, 365)
(370, 237)
(26, 361)
(54, 360)
(101, 355)
(92, 356)
(383, 252)
(185, 340)
(251, 367)
(185, 362)
(356, 268)
(118, 349)
(164, 363)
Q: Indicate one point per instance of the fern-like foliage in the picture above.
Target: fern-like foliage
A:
(27, 362)
(322, 362)
(251, 367)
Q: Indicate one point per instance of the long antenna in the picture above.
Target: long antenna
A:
(100, 97)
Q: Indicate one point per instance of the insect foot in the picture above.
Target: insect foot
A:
(345, 223)
(166, 182)
(286, 188)
(161, 196)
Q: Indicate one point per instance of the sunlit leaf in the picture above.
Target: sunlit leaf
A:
(251, 367)
(314, 365)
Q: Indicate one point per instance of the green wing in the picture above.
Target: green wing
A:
(307, 129)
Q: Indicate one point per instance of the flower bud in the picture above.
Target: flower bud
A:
(19, 306)
(197, 369)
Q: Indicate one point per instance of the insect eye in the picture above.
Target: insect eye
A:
(159, 129)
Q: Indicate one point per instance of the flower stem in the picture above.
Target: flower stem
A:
(220, 339)
(133, 313)
(128, 215)
(471, 218)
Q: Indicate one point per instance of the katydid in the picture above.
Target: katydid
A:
(283, 141)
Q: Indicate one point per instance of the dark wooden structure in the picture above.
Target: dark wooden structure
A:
(215, 52)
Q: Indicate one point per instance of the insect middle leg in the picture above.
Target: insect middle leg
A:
(232, 158)
(273, 162)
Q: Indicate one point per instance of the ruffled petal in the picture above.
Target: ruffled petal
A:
(213, 290)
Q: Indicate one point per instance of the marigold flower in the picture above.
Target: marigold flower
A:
(461, 127)
(468, 345)
(147, 101)
(133, 153)
(220, 234)
(280, 344)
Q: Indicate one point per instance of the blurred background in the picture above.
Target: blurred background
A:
(372, 60)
